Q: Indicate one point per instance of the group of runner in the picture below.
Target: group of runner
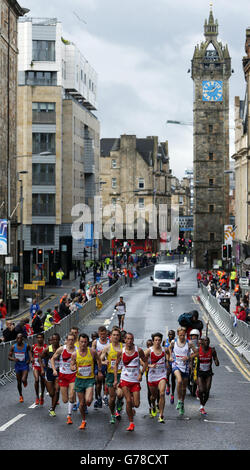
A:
(82, 369)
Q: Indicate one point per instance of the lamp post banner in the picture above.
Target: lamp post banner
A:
(3, 237)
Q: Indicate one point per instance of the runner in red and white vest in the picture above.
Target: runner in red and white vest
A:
(206, 356)
(157, 374)
(36, 351)
(131, 375)
(66, 374)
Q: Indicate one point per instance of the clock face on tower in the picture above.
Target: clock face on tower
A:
(212, 90)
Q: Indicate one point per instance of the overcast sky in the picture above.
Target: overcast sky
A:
(142, 50)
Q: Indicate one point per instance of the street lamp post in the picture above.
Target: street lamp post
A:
(21, 239)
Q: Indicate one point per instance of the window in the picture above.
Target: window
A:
(43, 174)
(211, 237)
(43, 51)
(113, 201)
(42, 234)
(141, 183)
(211, 182)
(211, 208)
(113, 163)
(42, 142)
(43, 205)
(210, 128)
(113, 183)
(141, 202)
(211, 156)
(180, 200)
(41, 78)
(43, 113)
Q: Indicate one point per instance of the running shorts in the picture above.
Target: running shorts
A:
(82, 384)
(49, 375)
(110, 379)
(184, 375)
(104, 370)
(133, 386)
(156, 383)
(66, 379)
(204, 374)
(21, 367)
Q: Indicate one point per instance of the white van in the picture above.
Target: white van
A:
(165, 278)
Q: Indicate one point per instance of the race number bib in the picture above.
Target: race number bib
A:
(85, 371)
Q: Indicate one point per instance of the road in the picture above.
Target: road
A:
(226, 427)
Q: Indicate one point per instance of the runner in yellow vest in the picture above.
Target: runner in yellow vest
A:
(108, 357)
(82, 362)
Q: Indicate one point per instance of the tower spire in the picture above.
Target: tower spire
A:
(211, 26)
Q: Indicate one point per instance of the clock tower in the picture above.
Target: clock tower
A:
(211, 70)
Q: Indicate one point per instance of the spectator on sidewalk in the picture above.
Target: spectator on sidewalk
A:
(64, 308)
(37, 322)
(3, 313)
(73, 293)
(28, 327)
(59, 277)
(34, 308)
(20, 328)
(9, 334)
(56, 316)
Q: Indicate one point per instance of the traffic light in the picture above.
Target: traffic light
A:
(52, 255)
(39, 256)
(190, 243)
(85, 254)
(224, 252)
(229, 251)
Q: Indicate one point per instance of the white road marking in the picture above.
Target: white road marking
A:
(229, 369)
(33, 406)
(219, 422)
(12, 421)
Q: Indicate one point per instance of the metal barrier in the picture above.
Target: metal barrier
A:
(237, 333)
(82, 315)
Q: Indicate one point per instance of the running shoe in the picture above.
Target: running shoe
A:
(131, 427)
(98, 403)
(178, 406)
(181, 409)
(153, 413)
(105, 401)
(21, 399)
(69, 420)
(172, 399)
(161, 420)
(82, 425)
(37, 401)
(112, 419)
(74, 407)
(118, 415)
(203, 412)
(119, 405)
(167, 390)
(41, 401)
(52, 413)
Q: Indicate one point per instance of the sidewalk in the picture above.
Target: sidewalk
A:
(52, 291)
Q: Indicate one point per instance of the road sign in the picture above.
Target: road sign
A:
(30, 286)
(244, 281)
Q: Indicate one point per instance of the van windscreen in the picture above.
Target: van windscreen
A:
(164, 275)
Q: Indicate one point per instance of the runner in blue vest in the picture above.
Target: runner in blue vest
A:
(20, 353)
